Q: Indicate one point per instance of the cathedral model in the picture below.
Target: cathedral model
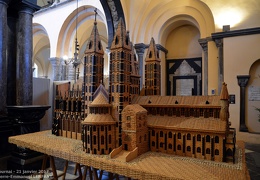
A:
(124, 120)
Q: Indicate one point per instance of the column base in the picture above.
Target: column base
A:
(243, 128)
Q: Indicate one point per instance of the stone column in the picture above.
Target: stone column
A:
(56, 68)
(219, 44)
(24, 86)
(140, 53)
(3, 57)
(242, 82)
(11, 56)
(204, 44)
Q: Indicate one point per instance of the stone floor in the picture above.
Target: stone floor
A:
(252, 152)
(253, 160)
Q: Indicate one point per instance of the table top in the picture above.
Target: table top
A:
(151, 165)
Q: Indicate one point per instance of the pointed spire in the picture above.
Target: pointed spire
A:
(94, 43)
(121, 38)
(224, 92)
(152, 53)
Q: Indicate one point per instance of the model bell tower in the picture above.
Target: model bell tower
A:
(93, 66)
(119, 82)
(152, 71)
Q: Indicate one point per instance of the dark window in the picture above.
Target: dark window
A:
(102, 139)
(198, 137)
(207, 151)
(179, 135)
(161, 144)
(153, 133)
(170, 146)
(216, 139)
(207, 138)
(153, 143)
(188, 136)
(198, 150)
(161, 134)
(188, 149)
(179, 147)
(216, 152)
(170, 134)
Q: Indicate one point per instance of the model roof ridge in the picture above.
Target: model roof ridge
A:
(121, 37)
(152, 53)
(94, 43)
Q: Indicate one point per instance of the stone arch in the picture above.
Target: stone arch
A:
(84, 16)
(252, 103)
(80, 24)
(41, 50)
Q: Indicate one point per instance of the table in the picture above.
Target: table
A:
(151, 165)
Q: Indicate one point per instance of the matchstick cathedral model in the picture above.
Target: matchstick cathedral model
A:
(125, 119)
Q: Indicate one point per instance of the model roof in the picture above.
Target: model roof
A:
(97, 119)
(200, 124)
(182, 101)
(135, 108)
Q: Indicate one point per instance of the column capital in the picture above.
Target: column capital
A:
(243, 80)
(161, 48)
(5, 2)
(140, 47)
(219, 42)
(24, 6)
(204, 43)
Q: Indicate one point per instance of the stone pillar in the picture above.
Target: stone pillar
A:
(140, 53)
(11, 56)
(3, 57)
(56, 68)
(242, 82)
(219, 44)
(24, 86)
(204, 44)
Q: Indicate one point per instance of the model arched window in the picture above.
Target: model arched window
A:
(216, 152)
(179, 147)
(188, 148)
(188, 136)
(153, 133)
(153, 143)
(207, 138)
(170, 146)
(99, 45)
(95, 140)
(170, 135)
(229, 152)
(161, 145)
(161, 134)
(198, 150)
(102, 139)
(216, 139)
(179, 135)
(109, 139)
(150, 54)
(116, 41)
(198, 137)
(207, 151)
